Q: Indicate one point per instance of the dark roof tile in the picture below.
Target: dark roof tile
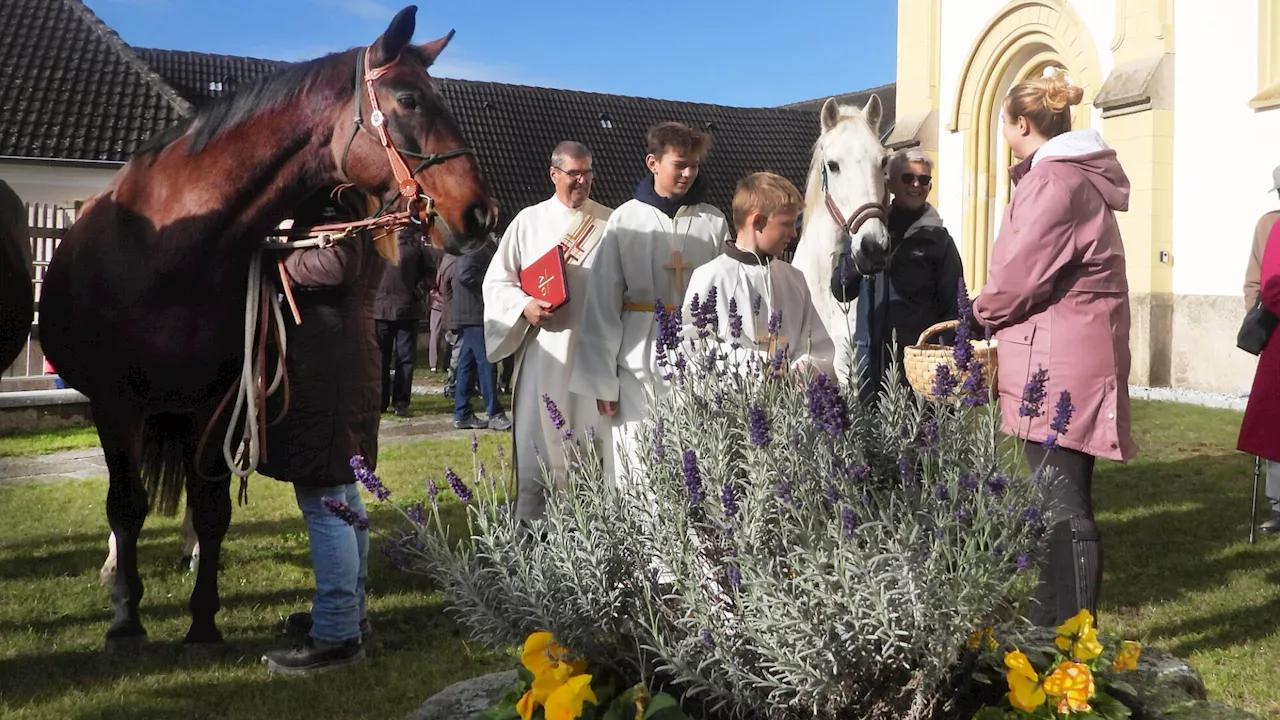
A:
(62, 62)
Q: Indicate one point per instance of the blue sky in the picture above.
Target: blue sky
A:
(733, 52)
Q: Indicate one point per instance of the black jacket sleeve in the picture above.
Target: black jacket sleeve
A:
(845, 279)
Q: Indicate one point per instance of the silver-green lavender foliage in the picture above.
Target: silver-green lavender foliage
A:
(774, 547)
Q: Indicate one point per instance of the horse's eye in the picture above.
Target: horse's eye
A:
(408, 102)
(833, 166)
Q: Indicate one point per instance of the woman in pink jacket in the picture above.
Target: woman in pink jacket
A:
(1058, 302)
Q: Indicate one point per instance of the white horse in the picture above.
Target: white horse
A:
(846, 210)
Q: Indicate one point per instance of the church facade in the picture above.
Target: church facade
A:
(1186, 91)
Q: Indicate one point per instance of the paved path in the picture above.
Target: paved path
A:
(88, 462)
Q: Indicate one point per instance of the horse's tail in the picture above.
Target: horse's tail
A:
(166, 450)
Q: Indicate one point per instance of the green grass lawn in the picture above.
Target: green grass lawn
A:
(1179, 575)
(53, 611)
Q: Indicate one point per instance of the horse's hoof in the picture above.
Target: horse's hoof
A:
(125, 644)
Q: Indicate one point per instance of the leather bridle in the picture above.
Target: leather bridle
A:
(860, 215)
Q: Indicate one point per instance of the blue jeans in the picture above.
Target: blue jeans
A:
(473, 363)
(340, 559)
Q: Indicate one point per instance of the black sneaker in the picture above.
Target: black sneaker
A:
(471, 422)
(299, 625)
(499, 421)
(401, 412)
(1272, 524)
(313, 656)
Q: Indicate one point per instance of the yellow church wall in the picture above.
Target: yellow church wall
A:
(1198, 149)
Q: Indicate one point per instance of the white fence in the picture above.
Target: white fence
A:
(48, 224)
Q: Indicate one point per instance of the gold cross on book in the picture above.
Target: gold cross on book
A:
(678, 266)
(772, 341)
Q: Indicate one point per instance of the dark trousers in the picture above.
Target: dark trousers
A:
(1071, 569)
(474, 366)
(398, 340)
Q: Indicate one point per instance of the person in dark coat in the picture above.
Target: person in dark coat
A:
(17, 306)
(397, 310)
(333, 414)
(466, 313)
(917, 289)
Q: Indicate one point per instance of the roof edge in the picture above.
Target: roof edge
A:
(131, 58)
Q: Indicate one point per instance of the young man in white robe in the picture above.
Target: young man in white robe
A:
(762, 304)
(650, 246)
(543, 342)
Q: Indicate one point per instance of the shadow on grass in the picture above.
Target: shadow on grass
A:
(160, 549)
(1175, 528)
(166, 682)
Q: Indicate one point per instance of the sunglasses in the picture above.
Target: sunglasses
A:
(911, 178)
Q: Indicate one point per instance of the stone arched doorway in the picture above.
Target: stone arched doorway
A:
(1018, 43)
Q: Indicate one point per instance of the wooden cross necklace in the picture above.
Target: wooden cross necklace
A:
(677, 264)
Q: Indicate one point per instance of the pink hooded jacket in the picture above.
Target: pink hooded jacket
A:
(1057, 296)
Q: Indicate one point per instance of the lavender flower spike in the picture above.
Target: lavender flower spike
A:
(1061, 419)
(729, 499)
(693, 478)
(553, 412)
(758, 426)
(735, 320)
(1033, 394)
(360, 468)
(458, 487)
(827, 405)
(346, 513)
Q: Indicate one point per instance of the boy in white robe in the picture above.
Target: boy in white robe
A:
(543, 342)
(651, 244)
(762, 304)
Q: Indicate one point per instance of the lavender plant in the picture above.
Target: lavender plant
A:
(772, 547)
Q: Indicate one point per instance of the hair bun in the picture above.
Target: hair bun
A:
(1059, 92)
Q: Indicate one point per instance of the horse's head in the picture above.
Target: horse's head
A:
(846, 181)
(411, 145)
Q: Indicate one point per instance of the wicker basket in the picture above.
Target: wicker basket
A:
(920, 361)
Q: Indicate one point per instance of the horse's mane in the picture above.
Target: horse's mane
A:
(814, 200)
(261, 95)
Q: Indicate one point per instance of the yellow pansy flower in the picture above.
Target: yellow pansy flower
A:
(566, 702)
(542, 654)
(1025, 692)
(1079, 636)
(526, 706)
(982, 638)
(1127, 656)
(1071, 683)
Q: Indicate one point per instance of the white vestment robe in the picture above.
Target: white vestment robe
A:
(615, 356)
(776, 286)
(544, 355)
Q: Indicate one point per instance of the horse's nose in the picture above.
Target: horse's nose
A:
(480, 220)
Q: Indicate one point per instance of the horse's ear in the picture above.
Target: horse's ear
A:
(873, 111)
(830, 114)
(387, 47)
(433, 49)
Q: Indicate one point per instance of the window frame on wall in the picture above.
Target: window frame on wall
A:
(1268, 96)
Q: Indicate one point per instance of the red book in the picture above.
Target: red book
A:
(545, 279)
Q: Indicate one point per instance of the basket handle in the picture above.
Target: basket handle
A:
(936, 328)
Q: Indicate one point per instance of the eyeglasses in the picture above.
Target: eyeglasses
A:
(576, 175)
(911, 178)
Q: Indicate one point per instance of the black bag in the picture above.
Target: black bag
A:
(1256, 329)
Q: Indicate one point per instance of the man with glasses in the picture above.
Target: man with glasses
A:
(541, 337)
(917, 289)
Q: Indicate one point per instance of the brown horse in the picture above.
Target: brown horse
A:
(17, 303)
(143, 303)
